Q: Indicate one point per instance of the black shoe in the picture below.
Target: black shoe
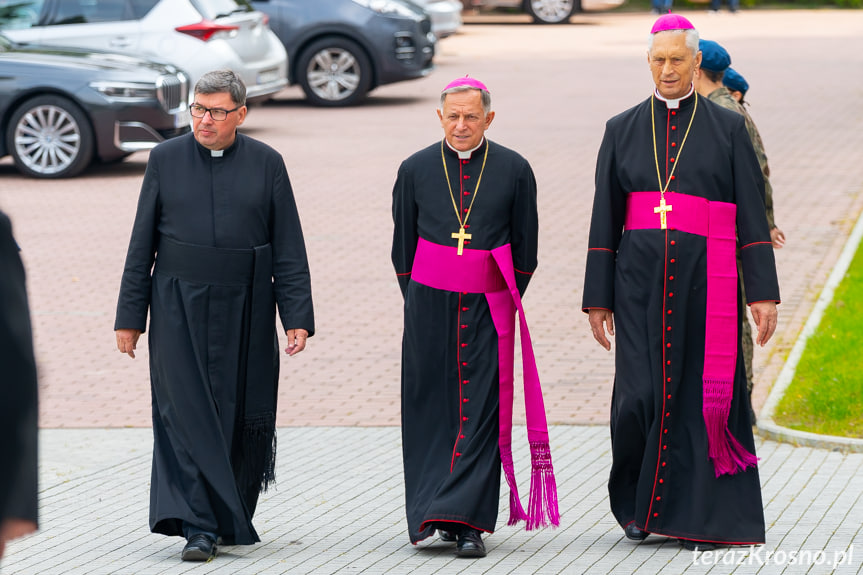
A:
(633, 532)
(691, 545)
(470, 544)
(447, 536)
(199, 548)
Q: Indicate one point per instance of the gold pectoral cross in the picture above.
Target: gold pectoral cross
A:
(662, 209)
(461, 236)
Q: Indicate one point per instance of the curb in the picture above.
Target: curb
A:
(765, 424)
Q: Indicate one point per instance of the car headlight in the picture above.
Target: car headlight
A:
(126, 91)
(388, 7)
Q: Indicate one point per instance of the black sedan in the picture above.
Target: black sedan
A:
(338, 50)
(62, 108)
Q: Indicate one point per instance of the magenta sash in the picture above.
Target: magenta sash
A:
(492, 273)
(716, 221)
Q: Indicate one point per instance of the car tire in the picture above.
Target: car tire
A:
(551, 11)
(50, 137)
(334, 71)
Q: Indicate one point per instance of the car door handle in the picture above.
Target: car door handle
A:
(120, 42)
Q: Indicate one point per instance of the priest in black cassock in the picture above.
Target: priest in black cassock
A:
(19, 411)
(464, 249)
(678, 192)
(215, 248)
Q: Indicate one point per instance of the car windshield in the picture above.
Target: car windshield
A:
(17, 14)
(212, 9)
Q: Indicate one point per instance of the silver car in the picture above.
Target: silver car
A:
(547, 11)
(195, 35)
(445, 15)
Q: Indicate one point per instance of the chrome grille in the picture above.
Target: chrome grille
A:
(173, 91)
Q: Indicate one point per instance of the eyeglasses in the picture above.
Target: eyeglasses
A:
(217, 114)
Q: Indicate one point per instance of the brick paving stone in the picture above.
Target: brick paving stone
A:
(337, 507)
(554, 87)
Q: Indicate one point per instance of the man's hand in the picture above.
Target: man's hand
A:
(600, 319)
(127, 340)
(777, 238)
(296, 340)
(765, 315)
(13, 528)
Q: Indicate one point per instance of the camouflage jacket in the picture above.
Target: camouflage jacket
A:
(723, 97)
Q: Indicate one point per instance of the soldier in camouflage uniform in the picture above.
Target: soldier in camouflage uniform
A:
(708, 82)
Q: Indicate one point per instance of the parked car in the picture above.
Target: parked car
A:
(61, 108)
(196, 35)
(547, 11)
(342, 49)
(445, 15)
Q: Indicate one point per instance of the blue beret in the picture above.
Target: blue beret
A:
(713, 56)
(734, 81)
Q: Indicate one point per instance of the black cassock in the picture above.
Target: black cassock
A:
(200, 334)
(449, 349)
(655, 283)
(19, 410)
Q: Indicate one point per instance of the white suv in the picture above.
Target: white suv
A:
(196, 35)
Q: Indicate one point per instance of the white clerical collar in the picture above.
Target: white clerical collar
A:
(673, 104)
(465, 155)
(217, 153)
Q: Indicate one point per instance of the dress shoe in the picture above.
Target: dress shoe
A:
(447, 536)
(470, 544)
(200, 547)
(633, 532)
(691, 545)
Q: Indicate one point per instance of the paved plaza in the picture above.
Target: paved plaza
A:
(338, 503)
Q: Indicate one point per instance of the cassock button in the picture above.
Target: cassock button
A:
(673, 144)
(670, 278)
(467, 193)
(662, 480)
(656, 514)
(671, 294)
(465, 400)
(672, 242)
(659, 498)
(668, 362)
(465, 308)
(464, 326)
(667, 414)
(464, 418)
(464, 345)
(672, 260)
(458, 454)
(665, 430)
(673, 127)
(663, 464)
(467, 177)
(465, 381)
(674, 112)
(467, 226)
(673, 177)
(465, 210)
(467, 242)
(669, 379)
(669, 312)
(669, 396)
(668, 328)
(464, 363)
(461, 436)
(670, 159)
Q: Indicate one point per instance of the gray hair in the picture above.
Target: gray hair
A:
(691, 39)
(486, 96)
(220, 82)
